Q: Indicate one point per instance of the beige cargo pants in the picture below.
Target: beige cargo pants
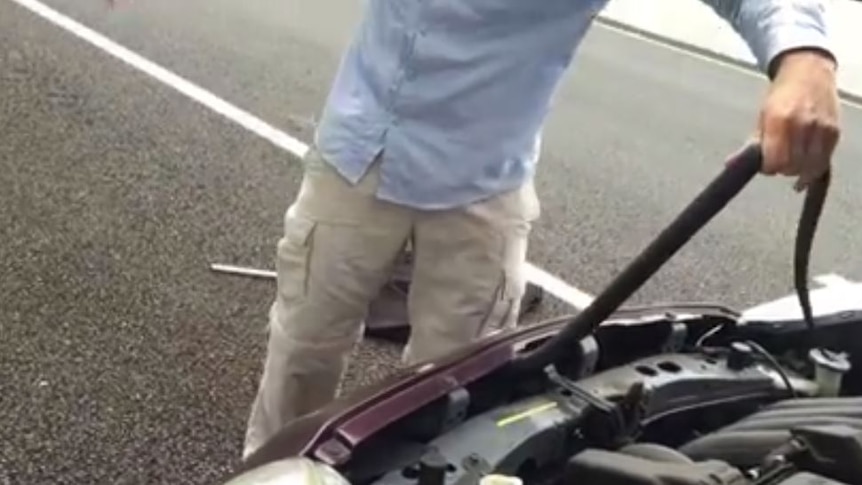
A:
(339, 247)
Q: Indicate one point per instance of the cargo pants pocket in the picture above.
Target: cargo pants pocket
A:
(293, 259)
(504, 311)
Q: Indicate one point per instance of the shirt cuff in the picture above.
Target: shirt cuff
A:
(797, 25)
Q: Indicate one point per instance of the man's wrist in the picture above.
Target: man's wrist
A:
(804, 58)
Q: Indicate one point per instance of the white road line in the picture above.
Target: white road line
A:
(550, 283)
(206, 98)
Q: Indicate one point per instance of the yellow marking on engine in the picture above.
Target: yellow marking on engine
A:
(525, 414)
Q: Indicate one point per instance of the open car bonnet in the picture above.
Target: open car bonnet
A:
(330, 433)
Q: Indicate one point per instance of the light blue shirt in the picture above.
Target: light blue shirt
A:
(454, 93)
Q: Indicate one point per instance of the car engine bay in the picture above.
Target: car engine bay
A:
(697, 409)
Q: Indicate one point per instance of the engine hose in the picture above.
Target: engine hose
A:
(696, 215)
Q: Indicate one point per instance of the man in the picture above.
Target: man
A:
(430, 135)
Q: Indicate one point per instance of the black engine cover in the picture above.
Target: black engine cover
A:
(808, 479)
(594, 466)
(746, 442)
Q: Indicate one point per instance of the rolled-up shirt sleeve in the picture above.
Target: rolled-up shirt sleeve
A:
(771, 27)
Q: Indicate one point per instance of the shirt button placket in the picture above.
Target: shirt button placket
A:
(406, 68)
(406, 71)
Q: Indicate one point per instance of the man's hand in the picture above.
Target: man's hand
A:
(798, 128)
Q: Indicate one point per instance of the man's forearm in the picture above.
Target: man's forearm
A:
(774, 27)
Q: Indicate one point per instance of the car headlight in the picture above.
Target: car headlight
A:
(291, 471)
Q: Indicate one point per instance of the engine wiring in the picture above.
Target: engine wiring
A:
(760, 350)
(773, 362)
(709, 333)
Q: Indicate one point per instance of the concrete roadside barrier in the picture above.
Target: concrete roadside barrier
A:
(694, 25)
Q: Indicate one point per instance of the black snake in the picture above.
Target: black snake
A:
(696, 215)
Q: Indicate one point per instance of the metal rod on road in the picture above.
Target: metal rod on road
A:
(241, 271)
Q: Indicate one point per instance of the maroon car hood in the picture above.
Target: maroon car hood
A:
(329, 433)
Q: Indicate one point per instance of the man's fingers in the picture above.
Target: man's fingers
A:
(775, 146)
(815, 152)
(803, 134)
(822, 140)
(734, 157)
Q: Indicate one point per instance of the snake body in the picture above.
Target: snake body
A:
(815, 198)
(700, 211)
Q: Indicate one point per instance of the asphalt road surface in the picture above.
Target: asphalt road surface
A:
(124, 360)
